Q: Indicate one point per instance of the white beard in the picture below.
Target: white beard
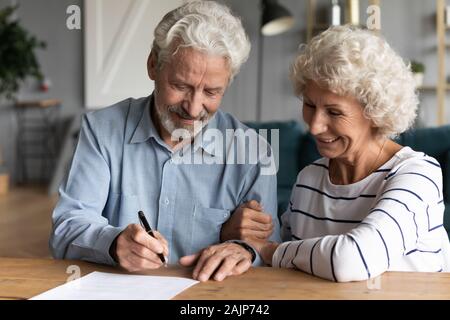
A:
(170, 126)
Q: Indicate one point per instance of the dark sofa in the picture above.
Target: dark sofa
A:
(297, 149)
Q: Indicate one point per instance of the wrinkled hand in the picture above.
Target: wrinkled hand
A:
(135, 250)
(218, 262)
(247, 222)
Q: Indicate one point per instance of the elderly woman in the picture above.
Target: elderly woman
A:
(369, 205)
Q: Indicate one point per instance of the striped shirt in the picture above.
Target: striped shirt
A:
(390, 220)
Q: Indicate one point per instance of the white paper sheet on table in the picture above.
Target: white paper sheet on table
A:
(111, 286)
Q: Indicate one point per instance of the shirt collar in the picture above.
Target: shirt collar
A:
(146, 129)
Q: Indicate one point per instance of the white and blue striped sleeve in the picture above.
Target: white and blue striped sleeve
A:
(408, 207)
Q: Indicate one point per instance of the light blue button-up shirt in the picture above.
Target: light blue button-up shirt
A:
(121, 165)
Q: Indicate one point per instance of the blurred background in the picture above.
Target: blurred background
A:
(61, 58)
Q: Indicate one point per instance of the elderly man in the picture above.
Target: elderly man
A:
(131, 157)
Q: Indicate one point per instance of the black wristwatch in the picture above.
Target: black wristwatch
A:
(246, 247)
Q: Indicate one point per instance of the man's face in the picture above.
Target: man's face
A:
(189, 87)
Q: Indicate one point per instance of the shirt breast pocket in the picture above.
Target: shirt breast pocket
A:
(207, 225)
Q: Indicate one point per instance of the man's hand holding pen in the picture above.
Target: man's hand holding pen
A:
(135, 250)
(138, 247)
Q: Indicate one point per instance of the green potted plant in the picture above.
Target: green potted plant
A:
(418, 69)
(17, 54)
(18, 62)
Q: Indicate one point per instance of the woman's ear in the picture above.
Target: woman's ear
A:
(152, 65)
(375, 130)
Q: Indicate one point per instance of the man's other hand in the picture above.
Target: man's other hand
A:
(218, 262)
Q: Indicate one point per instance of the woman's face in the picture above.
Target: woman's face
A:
(337, 123)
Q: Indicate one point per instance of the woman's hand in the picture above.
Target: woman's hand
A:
(247, 222)
(266, 249)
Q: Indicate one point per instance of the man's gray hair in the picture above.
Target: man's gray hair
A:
(203, 25)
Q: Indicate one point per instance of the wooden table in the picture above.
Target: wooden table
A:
(25, 278)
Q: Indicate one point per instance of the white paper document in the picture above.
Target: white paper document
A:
(111, 286)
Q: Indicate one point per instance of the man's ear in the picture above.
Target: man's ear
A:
(152, 65)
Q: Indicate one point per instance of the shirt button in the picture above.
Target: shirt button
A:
(166, 201)
(171, 161)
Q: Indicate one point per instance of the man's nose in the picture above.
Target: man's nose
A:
(318, 123)
(194, 105)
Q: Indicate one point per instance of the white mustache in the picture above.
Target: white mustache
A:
(182, 113)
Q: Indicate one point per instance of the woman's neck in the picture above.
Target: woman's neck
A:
(361, 165)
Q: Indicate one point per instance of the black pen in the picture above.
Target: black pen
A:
(149, 230)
